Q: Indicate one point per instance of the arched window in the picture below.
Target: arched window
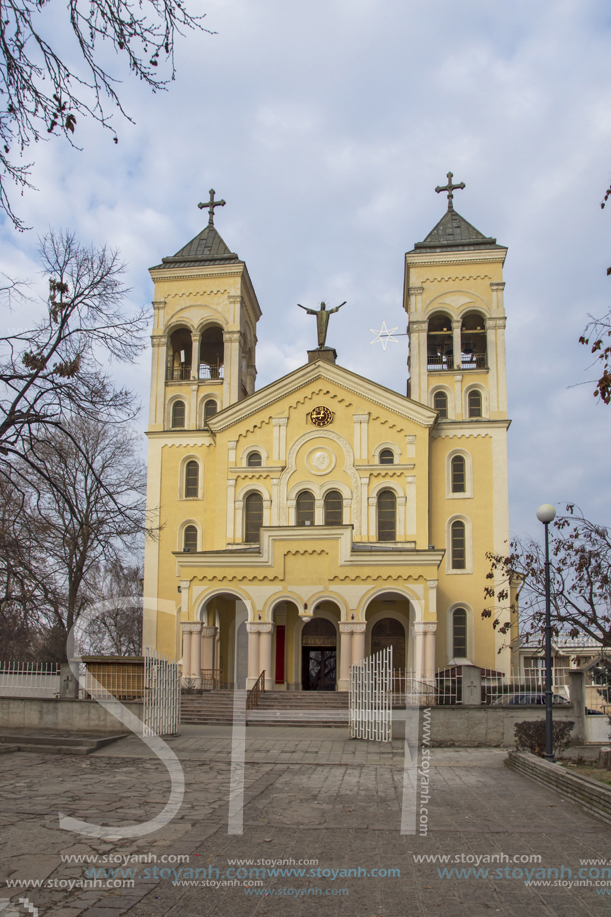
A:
(387, 457)
(305, 508)
(254, 517)
(192, 479)
(178, 415)
(387, 516)
(180, 347)
(440, 403)
(458, 474)
(190, 539)
(254, 460)
(459, 555)
(475, 403)
(334, 508)
(210, 409)
(211, 353)
(459, 633)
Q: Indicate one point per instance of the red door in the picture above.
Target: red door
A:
(280, 637)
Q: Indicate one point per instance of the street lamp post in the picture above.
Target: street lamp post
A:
(547, 514)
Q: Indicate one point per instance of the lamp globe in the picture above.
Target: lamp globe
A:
(546, 513)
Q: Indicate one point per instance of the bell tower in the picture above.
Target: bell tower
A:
(204, 332)
(453, 296)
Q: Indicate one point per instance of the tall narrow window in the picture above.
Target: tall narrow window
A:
(458, 474)
(459, 557)
(387, 457)
(254, 517)
(178, 414)
(475, 403)
(210, 409)
(334, 508)
(387, 516)
(254, 460)
(459, 633)
(192, 479)
(190, 539)
(305, 508)
(440, 403)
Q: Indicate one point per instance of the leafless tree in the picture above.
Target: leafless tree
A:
(55, 368)
(116, 628)
(46, 91)
(86, 512)
(580, 553)
(598, 331)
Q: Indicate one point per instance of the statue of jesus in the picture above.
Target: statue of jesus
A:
(322, 320)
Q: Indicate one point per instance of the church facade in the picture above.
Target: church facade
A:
(310, 523)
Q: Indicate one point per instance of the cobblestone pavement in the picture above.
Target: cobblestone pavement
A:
(338, 805)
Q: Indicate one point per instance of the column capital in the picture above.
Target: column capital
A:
(415, 291)
(208, 631)
(192, 627)
(428, 627)
(495, 285)
(432, 583)
(495, 323)
(231, 337)
(457, 323)
(350, 628)
(158, 340)
(361, 418)
(254, 628)
(418, 326)
(280, 421)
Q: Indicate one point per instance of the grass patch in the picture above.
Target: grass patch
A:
(588, 770)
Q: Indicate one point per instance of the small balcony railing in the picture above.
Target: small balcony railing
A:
(473, 361)
(206, 371)
(183, 372)
(437, 362)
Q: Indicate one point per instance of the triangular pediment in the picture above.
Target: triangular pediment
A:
(358, 386)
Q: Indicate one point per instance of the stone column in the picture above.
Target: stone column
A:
(429, 652)
(208, 635)
(196, 337)
(345, 656)
(358, 642)
(186, 651)
(231, 379)
(196, 654)
(419, 631)
(456, 342)
(265, 654)
(253, 654)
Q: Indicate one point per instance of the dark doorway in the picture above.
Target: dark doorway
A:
(319, 656)
(390, 632)
(318, 669)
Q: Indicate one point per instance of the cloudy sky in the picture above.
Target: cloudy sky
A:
(326, 126)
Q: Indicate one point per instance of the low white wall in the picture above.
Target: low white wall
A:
(65, 715)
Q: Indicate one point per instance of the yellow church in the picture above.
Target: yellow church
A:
(310, 523)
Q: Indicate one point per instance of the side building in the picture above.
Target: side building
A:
(323, 517)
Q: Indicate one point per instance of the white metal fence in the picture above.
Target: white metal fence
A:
(371, 687)
(161, 713)
(29, 679)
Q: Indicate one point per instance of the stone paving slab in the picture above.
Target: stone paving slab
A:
(345, 815)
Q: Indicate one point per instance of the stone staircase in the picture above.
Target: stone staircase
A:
(276, 708)
(52, 743)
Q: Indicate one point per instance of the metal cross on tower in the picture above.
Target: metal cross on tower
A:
(450, 188)
(211, 205)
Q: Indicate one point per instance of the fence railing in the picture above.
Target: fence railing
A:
(206, 371)
(161, 714)
(370, 697)
(212, 679)
(29, 679)
(252, 698)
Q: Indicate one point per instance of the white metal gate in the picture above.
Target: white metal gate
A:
(371, 697)
(161, 713)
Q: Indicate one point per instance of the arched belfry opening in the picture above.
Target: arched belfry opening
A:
(440, 345)
(211, 353)
(180, 352)
(473, 341)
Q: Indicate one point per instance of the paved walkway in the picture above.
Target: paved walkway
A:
(339, 805)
